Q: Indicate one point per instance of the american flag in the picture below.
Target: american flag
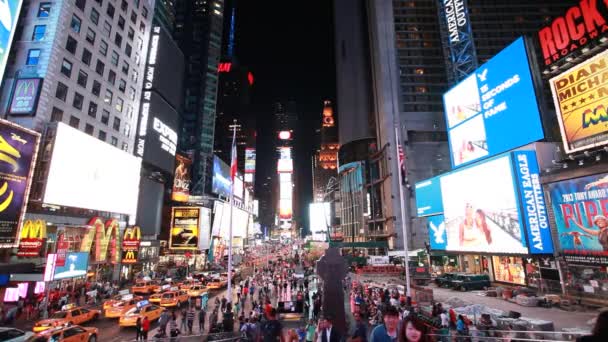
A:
(402, 163)
(233, 157)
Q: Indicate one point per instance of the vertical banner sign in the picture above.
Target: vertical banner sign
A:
(18, 149)
(25, 96)
(457, 30)
(533, 203)
(182, 179)
(9, 14)
(204, 229)
(106, 236)
(32, 237)
(581, 210)
(437, 233)
(130, 245)
(62, 248)
(579, 96)
(184, 228)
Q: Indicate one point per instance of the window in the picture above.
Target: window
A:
(134, 76)
(144, 12)
(74, 122)
(140, 43)
(75, 23)
(133, 17)
(137, 59)
(132, 93)
(99, 68)
(114, 141)
(127, 130)
(116, 124)
(114, 58)
(88, 129)
(131, 33)
(62, 91)
(118, 106)
(118, 40)
(93, 109)
(105, 117)
(94, 16)
(102, 135)
(56, 115)
(112, 77)
(44, 10)
(122, 85)
(125, 147)
(96, 90)
(33, 57)
(78, 101)
(108, 98)
(136, 3)
(125, 67)
(38, 33)
(100, 2)
(66, 68)
(107, 29)
(121, 22)
(71, 45)
(124, 5)
(103, 48)
(86, 56)
(91, 36)
(110, 10)
(80, 4)
(142, 28)
(130, 111)
(82, 78)
(128, 49)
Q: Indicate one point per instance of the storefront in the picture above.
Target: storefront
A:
(509, 270)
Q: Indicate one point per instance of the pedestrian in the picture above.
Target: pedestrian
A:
(201, 320)
(412, 330)
(360, 328)
(329, 334)
(461, 328)
(224, 301)
(184, 321)
(387, 332)
(173, 330)
(237, 308)
(310, 331)
(600, 330)
(163, 321)
(138, 329)
(190, 316)
(145, 327)
(272, 328)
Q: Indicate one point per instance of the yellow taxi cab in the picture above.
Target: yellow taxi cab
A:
(145, 287)
(187, 284)
(143, 309)
(73, 333)
(174, 298)
(165, 285)
(117, 309)
(197, 290)
(108, 304)
(217, 283)
(69, 315)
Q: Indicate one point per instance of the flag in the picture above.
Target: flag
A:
(402, 164)
(233, 157)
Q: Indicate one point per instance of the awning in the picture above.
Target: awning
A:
(367, 244)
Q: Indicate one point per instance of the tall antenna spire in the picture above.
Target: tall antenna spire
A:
(231, 35)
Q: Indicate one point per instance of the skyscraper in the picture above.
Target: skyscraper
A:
(325, 163)
(198, 31)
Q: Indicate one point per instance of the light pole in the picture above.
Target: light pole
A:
(403, 222)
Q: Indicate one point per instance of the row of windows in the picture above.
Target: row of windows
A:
(57, 116)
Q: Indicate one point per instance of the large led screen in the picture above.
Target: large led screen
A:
(9, 14)
(485, 112)
(220, 183)
(18, 150)
(88, 173)
(76, 264)
(579, 96)
(428, 197)
(157, 133)
(320, 218)
(496, 206)
(221, 221)
(581, 207)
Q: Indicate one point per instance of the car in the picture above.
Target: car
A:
(145, 287)
(186, 284)
(174, 298)
(70, 315)
(73, 333)
(117, 309)
(445, 280)
(129, 318)
(217, 283)
(9, 334)
(197, 290)
(465, 282)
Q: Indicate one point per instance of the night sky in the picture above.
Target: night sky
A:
(288, 46)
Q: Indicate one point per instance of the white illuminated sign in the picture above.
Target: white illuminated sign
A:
(167, 136)
(456, 17)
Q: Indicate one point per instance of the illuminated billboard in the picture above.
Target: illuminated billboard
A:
(496, 99)
(285, 135)
(238, 187)
(579, 96)
(284, 152)
(88, 173)
(580, 206)
(185, 228)
(428, 199)
(18, 150)
(221, 221)
(320, 218)
(181, 179)
(9, 14)
(285, 166)
(24, 99)
(496, 206)
(76, 264)
(220, 183)
(250, 160)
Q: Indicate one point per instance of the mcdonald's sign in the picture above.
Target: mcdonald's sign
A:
(25, 96)
(130, 245)
(32, 237)
(129, 257)
(106, 235)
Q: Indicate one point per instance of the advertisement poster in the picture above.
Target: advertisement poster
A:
(428, 197)
(437, 234)
(204, 229)
(494, 100)
(32, 237)
(106, 238)
(62, 248)
(9, 14)
(182, 179)
(579, 96)
(581, 207)
(76, 264)
(481, 209)
(509, 270)
(18, 149)
(220, 183)
(184, 228)
(25, 96)
(249, 160)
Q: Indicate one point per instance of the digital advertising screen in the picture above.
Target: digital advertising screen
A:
(250, 160)
(320, 219)
(220, 183)
(579, 96)
(157, 132)
(182, 179)
(239, 187)
(581, 208)
(76, 264)
(495, 99)
(25, 96)
(204, 229)
(9, 15)
(221, 221)
(88, 173)
(437, 234)
(428, 197)
(18, 151)
(185, 222)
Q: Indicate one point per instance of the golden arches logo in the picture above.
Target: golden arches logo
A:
(104, 232)
(132, 233)
(129, 257)
(26, 88)
(33, 229)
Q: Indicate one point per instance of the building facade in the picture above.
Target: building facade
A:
(325, 160)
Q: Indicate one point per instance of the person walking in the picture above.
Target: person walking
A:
(145, 328)
(201, 320)
(387, 332)
(173, 330)
(138, 329)
(600, 330)
(190, 316)
(162, 322)
(310, 331)
(184, 321)
(272, 328)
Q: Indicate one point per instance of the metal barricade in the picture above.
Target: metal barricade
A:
(219, 337)
(504, 335)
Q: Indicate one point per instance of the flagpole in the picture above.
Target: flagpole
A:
(232, 175)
